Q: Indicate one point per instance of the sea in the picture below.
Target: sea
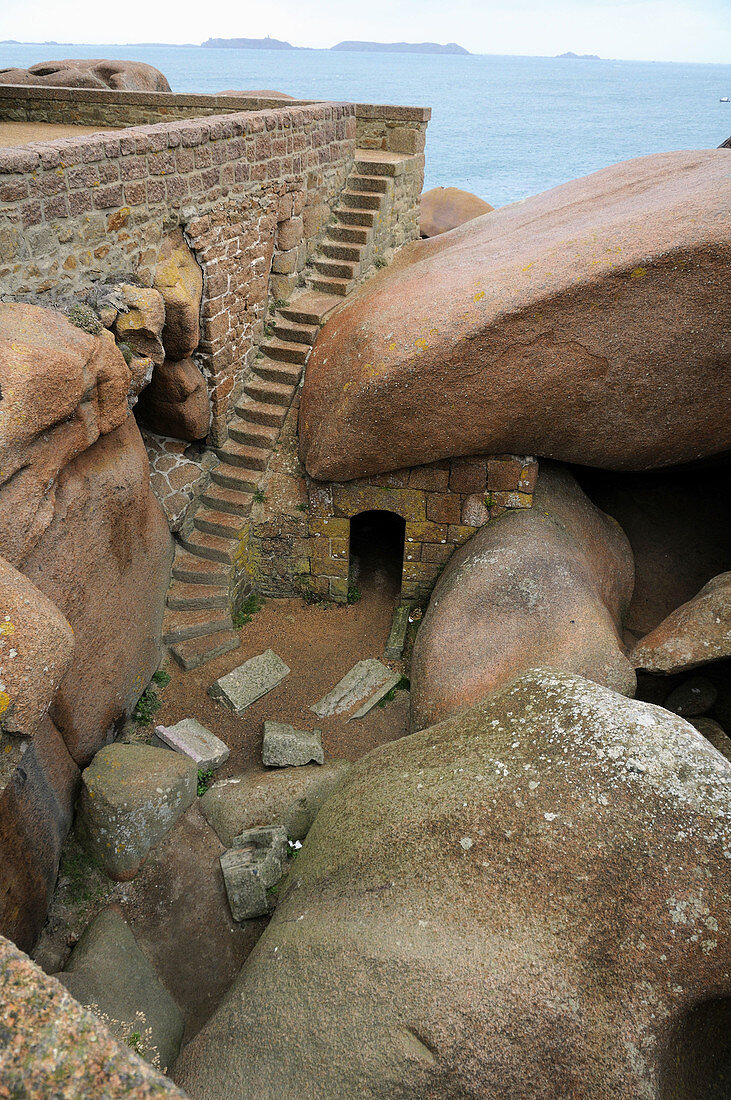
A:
(502, 127)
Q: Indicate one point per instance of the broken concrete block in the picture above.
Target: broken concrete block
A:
(252, 868)
(366, 683)
(238, 689)
(284, 746)
(131, 796)
(397, 638)
(195, 741)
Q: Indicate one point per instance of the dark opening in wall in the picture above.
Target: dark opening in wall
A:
(377, 551)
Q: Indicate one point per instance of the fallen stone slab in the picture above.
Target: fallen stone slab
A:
(108, 973)
(290, 798)
(366, 683)
(397, 638)
(131, 796)
(251, 869)
(194, 740)
(238, 689)
(284, 746)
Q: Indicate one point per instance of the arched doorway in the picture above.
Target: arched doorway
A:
(377, 553)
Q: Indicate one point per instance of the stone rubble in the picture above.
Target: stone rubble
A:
(254, 865)
(284, 746)
(365, 684)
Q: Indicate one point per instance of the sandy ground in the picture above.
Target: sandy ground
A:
(177, 905)
(20, 133)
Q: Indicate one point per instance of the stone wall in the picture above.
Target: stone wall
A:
(83, 209)
(298, 538)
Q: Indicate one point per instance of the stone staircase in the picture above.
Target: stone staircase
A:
(197, 625)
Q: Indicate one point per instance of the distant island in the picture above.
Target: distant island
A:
(579, 56)
(401, 47)
(248, 44)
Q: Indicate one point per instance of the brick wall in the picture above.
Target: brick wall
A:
(298, 537)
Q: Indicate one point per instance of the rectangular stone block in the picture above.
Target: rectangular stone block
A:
(426, 532)
(397, 637)
(468, 475)
(332, 526)
(238, 689)
(284, 746)
(436, 552)
(459, 534)
(443, 507)
(194, 740)
(504, 473)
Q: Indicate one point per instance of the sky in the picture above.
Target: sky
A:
(652, 30)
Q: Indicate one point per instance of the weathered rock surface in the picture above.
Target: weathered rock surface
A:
(179, 280)
(131, 796)
(77, 72)
(714, 733)
(445, 208)
(542, 587)
(583, 324)
(692, 697)
(364, 685)
(696, 633)
(141, 325)
(251, 867)
(284, 746)
(107, 973)
(541, 887)
(104, 561)
(38, 785)
(176, 403)
(290, 798)
(51, 1046)
(36, 644)
(62, 389)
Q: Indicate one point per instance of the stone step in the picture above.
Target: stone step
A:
(269, 393)
(274, 370)
(336, 269)
(285, 350)
(356, 217)
(337, 251)
(309, 308)
(370, 166)
(191, 568)
(197, 651)
(365, 182)
(183, 596)
(331, 286)
(260, 412)
(208, 546)
(360, 200)
(225, 524)
(253, 435)
(353, 233)
(221, 498)
(234, 477)
(179, 625)
(294, 331)
(241, 454)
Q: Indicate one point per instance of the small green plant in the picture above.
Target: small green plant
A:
(380, 262)
(147, 707)
(134, 1040)
(161, 677)
(281, 303)
(302, 506)
(293, 848)
(272, 891)
(268, 329)
(403, 685)
(247, 610)
(259, 496)
(205, 778)
(490, 501)
(314, 598)
(354, 593)
(85, 318)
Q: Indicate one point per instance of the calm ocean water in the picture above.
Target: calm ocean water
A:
(503, 127)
